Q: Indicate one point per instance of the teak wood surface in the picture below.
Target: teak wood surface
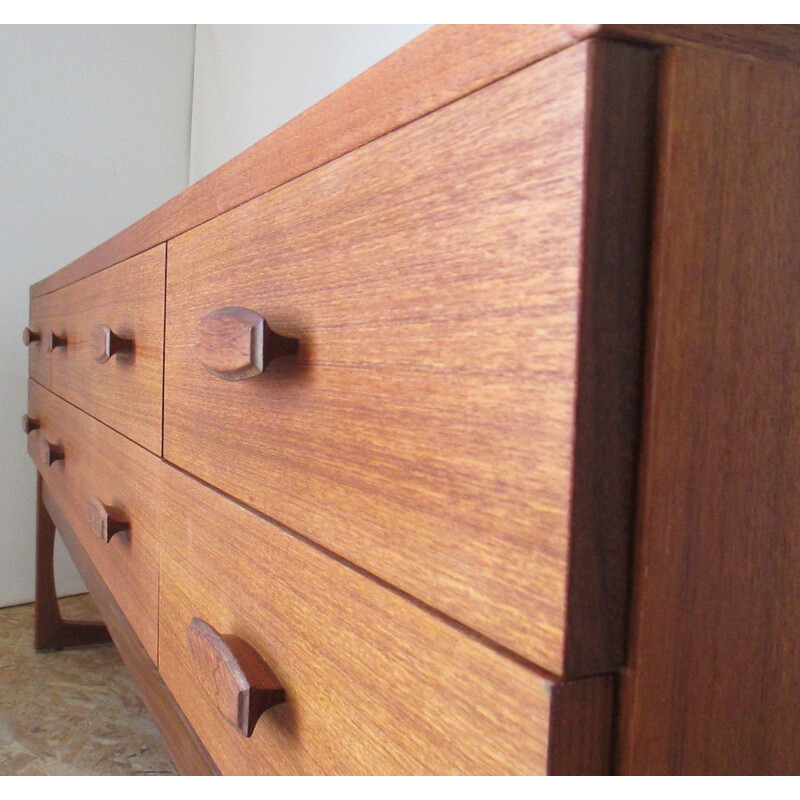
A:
(438, 326)
(125, 391)
(374, 684)
(185, 749)
(714, 685)
(99, 463)
(437, 68)
(425, 430)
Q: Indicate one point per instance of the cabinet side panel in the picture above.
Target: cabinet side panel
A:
(713, 685)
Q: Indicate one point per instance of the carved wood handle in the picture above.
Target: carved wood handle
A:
(106, 521)
(51, 452)
(29, 424)
(29, 337)
(52, 340)
(234, 675)
(236, 343)
(104, 343)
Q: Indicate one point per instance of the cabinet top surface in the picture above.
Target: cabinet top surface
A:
(440, 66)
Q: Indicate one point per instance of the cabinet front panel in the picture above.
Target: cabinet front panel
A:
(91, 464)
(424, 430)
(374, 684)
(112, 363)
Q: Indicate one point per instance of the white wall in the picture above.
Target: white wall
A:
(251, 79)
(94, 129)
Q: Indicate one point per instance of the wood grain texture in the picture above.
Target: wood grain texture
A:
(713, 685)
(444, 64)
(374, 684)
(425, 430)
(125, 392)
(185, 749)
(100, 463)
(581, 720)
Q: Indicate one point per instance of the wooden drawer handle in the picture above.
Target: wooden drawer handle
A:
(234, 675)
(236, 343)
(29, 337)
(106, 521)
(52, 340)
(51, 452)
(104, 343)
(30, 424)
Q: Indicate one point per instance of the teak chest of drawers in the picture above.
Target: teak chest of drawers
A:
(452, 427)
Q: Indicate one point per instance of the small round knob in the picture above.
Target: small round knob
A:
(52, 340)
(51, 452)
(29, 424)
(104, 343)
(29, 337)
(236, 343)
(106, 521)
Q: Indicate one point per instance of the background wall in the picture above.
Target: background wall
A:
(95, 129)
(251, 79)
(102, 124)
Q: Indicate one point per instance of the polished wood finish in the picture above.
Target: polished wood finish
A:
(427, 427)
(435, 69)
(186, 750)
(125, 392)
(581, 719)
(51, 631)
(106, 521)
(374, 683)
(104, 343)
(53, 340)
(29, 424)
(129, 565)
(235, 344)
(713, 685)
(29, 337)
(439, 67)
(235, 677)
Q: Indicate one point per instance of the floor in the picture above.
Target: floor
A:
(74, 712)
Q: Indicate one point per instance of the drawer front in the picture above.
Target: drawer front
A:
(424, 430)
(373, 683)
(40, 321)
(91, 464)
(112, 363)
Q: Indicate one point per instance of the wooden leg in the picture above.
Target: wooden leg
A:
(51, 632)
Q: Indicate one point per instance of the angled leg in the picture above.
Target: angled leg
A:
(51, 632)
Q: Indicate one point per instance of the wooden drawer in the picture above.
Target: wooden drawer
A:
(40, 321)
(97, 465)
(427, 430)
(374, 684)
(125, 389)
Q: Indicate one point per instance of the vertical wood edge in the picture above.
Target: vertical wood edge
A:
(581, 726)
(621, 107)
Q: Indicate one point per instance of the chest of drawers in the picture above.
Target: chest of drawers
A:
(450, 428)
